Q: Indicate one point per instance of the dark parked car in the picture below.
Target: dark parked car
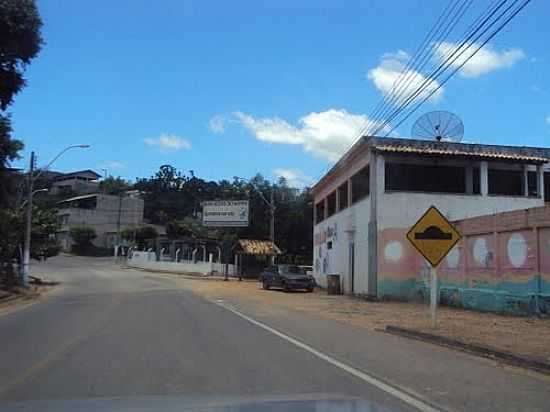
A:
(287, 277)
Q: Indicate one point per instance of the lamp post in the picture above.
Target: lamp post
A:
(28, 217)
(33, 193)
(270, 203)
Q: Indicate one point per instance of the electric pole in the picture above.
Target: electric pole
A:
(28, 225)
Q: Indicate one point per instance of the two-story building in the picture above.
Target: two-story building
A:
(105, 213)
(81, 182)
(381, 186)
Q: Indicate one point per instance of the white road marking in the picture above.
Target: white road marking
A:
(398, 393)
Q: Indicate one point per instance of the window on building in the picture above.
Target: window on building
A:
(425, 178)
(532, 184)
(505, 182)
(343, 196)
(547, 186)
(360, 184)
(63, 220)
(476, 184)
(320, 211)
(331, 204)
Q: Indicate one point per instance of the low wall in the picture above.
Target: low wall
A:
(147, 260)
(502, 264)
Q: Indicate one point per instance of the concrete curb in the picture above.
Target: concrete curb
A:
(472, 348)
(191, 275)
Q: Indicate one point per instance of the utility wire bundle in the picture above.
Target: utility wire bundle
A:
(432, 65)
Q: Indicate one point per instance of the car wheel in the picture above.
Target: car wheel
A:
(309, 290)
(265, 285)
(286, 288)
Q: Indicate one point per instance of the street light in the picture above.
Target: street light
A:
(33, 193)
(270, 204)
(28, 217)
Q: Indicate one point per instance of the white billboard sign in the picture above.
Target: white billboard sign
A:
(225, 213)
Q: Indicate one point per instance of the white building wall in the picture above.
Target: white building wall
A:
(403, 209)
(394, 210)
(348, 225)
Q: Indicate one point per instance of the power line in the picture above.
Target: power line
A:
(408, 68)
(493, 34)
(426, 58)
(464, 46)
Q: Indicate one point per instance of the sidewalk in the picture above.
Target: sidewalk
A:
(527, 337)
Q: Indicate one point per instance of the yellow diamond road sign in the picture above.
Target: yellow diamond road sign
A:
(433, 236)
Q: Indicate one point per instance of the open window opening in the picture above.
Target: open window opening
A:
(360, 184)
(426, 178)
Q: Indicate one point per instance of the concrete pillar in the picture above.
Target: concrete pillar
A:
(484, 178)
(469, 179)
(337, 192)
(349, 192)
(211, 258)
(540, 181)
(525, 181)
(172, 249)
(372, 237)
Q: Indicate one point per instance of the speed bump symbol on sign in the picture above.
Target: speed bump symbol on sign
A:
(433, 236)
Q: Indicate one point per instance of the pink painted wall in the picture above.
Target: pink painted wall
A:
(496, 251)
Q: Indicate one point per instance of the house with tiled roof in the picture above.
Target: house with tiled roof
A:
(382, 186)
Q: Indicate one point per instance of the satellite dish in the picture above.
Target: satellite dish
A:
(440, 126)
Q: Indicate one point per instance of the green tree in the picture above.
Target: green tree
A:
(11, 223)
(20, 42)
(114, 185)
(187, 227)
(44, 228)
(139, 236)
(82, 236)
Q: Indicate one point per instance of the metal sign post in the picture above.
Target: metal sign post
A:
(434, 237)
(433, 296)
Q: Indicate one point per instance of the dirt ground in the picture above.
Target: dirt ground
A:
(522, 336)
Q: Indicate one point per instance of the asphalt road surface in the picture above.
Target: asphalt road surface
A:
(114, 332)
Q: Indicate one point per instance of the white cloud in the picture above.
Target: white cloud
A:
(168, 142)
(325, 134)
(217, 124)
(294, 177)
(547, 119)
(391, 66)
(113, 165)
(485, 60)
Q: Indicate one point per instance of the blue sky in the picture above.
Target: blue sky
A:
(240, 87)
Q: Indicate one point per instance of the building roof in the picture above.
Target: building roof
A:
(431, 148)
(78, 198)
(84, 173)
(257, 247)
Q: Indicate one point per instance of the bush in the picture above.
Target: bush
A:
(93, 251)
(48, 249)
(82, 236)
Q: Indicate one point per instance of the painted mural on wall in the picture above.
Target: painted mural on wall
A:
(324, 241)
(495, 271)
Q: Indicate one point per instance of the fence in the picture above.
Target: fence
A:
(148, 260)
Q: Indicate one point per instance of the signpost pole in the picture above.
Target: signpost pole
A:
(433, 296)
(434, 237)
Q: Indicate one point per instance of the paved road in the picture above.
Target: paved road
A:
(125, 333)
(113, 332)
